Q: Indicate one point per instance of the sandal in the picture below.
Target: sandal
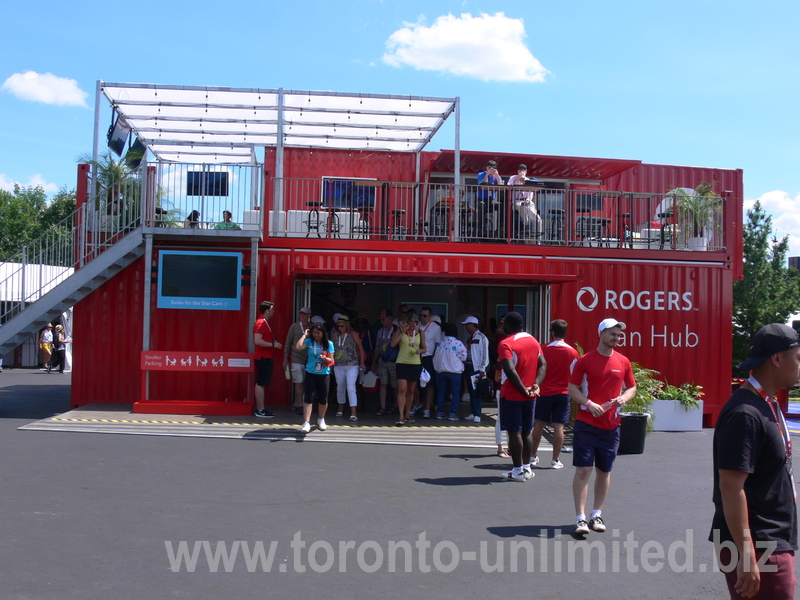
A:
(399, 423)
(503, 454)
(380, 413)
(353, 418)
(410, 420)
(339, 414)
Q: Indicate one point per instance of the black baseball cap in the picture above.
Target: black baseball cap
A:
(770, 339)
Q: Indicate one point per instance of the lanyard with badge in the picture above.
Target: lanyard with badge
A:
(340, 342)
(782, 427)
(318, 357)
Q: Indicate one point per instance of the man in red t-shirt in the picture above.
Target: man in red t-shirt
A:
(267, 351)
(601, 382)
(523, 371)
(552, 406)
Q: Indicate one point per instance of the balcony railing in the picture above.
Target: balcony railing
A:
(369, 209)
(197, 196)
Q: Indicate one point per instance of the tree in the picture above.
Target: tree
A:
(61, 206)
(26, 214)
(770, 290)
(20, 214)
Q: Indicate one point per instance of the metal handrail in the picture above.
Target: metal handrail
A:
(371, 209)
(65, 247)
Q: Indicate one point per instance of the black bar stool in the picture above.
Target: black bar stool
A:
(626, 231)
(398, 231)
(665, 218)
(556, 228)
(365, 228)
(583, 224)
(314, 220)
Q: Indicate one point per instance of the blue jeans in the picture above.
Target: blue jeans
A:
(445, 380)
(474, 398)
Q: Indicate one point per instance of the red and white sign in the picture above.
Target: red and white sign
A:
(155, 360)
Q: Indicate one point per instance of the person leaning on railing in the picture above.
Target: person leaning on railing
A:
(226, 222)
(193, 220)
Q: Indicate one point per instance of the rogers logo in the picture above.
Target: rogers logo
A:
(593, 299)
(588, 299)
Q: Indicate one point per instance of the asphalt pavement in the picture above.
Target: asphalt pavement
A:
(105, 515)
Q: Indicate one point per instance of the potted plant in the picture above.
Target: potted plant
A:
(699, 212)
(679, 408)
(637, 416)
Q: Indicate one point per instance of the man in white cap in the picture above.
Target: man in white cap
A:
(295, 360)
(477, 362)
(755, 500)
(601, 382)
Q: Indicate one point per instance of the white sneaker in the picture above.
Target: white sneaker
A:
(321, 424)
(470, 418)
(306, 427)
(528, 474)
(477, 418)
(581, 527)
(556, 464)
(535, 460)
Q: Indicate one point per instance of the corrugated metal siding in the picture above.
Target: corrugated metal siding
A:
(386, 166)
(108, 339)
(692, 343)
(662, 178)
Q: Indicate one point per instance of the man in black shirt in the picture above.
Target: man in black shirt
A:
(755, 518)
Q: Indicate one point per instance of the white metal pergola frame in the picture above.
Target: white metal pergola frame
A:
(204, 124)
(222, 125)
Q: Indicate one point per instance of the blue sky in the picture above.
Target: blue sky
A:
(701, 83)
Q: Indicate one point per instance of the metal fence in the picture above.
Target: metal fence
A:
(110, 214)
(349, 208)
(197, 196)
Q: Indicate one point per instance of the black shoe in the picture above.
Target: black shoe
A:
(264, 414)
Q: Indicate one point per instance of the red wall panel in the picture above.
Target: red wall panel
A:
(108, 338)
(676, 316)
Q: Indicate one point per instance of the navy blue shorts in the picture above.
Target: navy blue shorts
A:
(594, 447)
(552, 409)
(516, 415)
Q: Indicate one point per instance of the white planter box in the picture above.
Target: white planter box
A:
(669, 415)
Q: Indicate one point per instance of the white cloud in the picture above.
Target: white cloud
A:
(7, 184)
(487, 47)
(785, 212)
(45, 87)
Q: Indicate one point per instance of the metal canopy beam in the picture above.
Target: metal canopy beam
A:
(168, 119)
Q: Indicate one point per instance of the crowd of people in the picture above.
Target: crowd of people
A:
(418, 364)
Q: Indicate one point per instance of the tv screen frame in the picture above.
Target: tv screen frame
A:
(207, 183)
(118, 136)
(190, 280)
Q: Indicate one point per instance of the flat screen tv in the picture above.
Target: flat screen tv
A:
(118, 135)
(199, 280)
(207, 183)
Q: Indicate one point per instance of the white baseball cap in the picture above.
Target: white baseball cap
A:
(305, 310)
(473, 320)
(608, 324)
(317, 319)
